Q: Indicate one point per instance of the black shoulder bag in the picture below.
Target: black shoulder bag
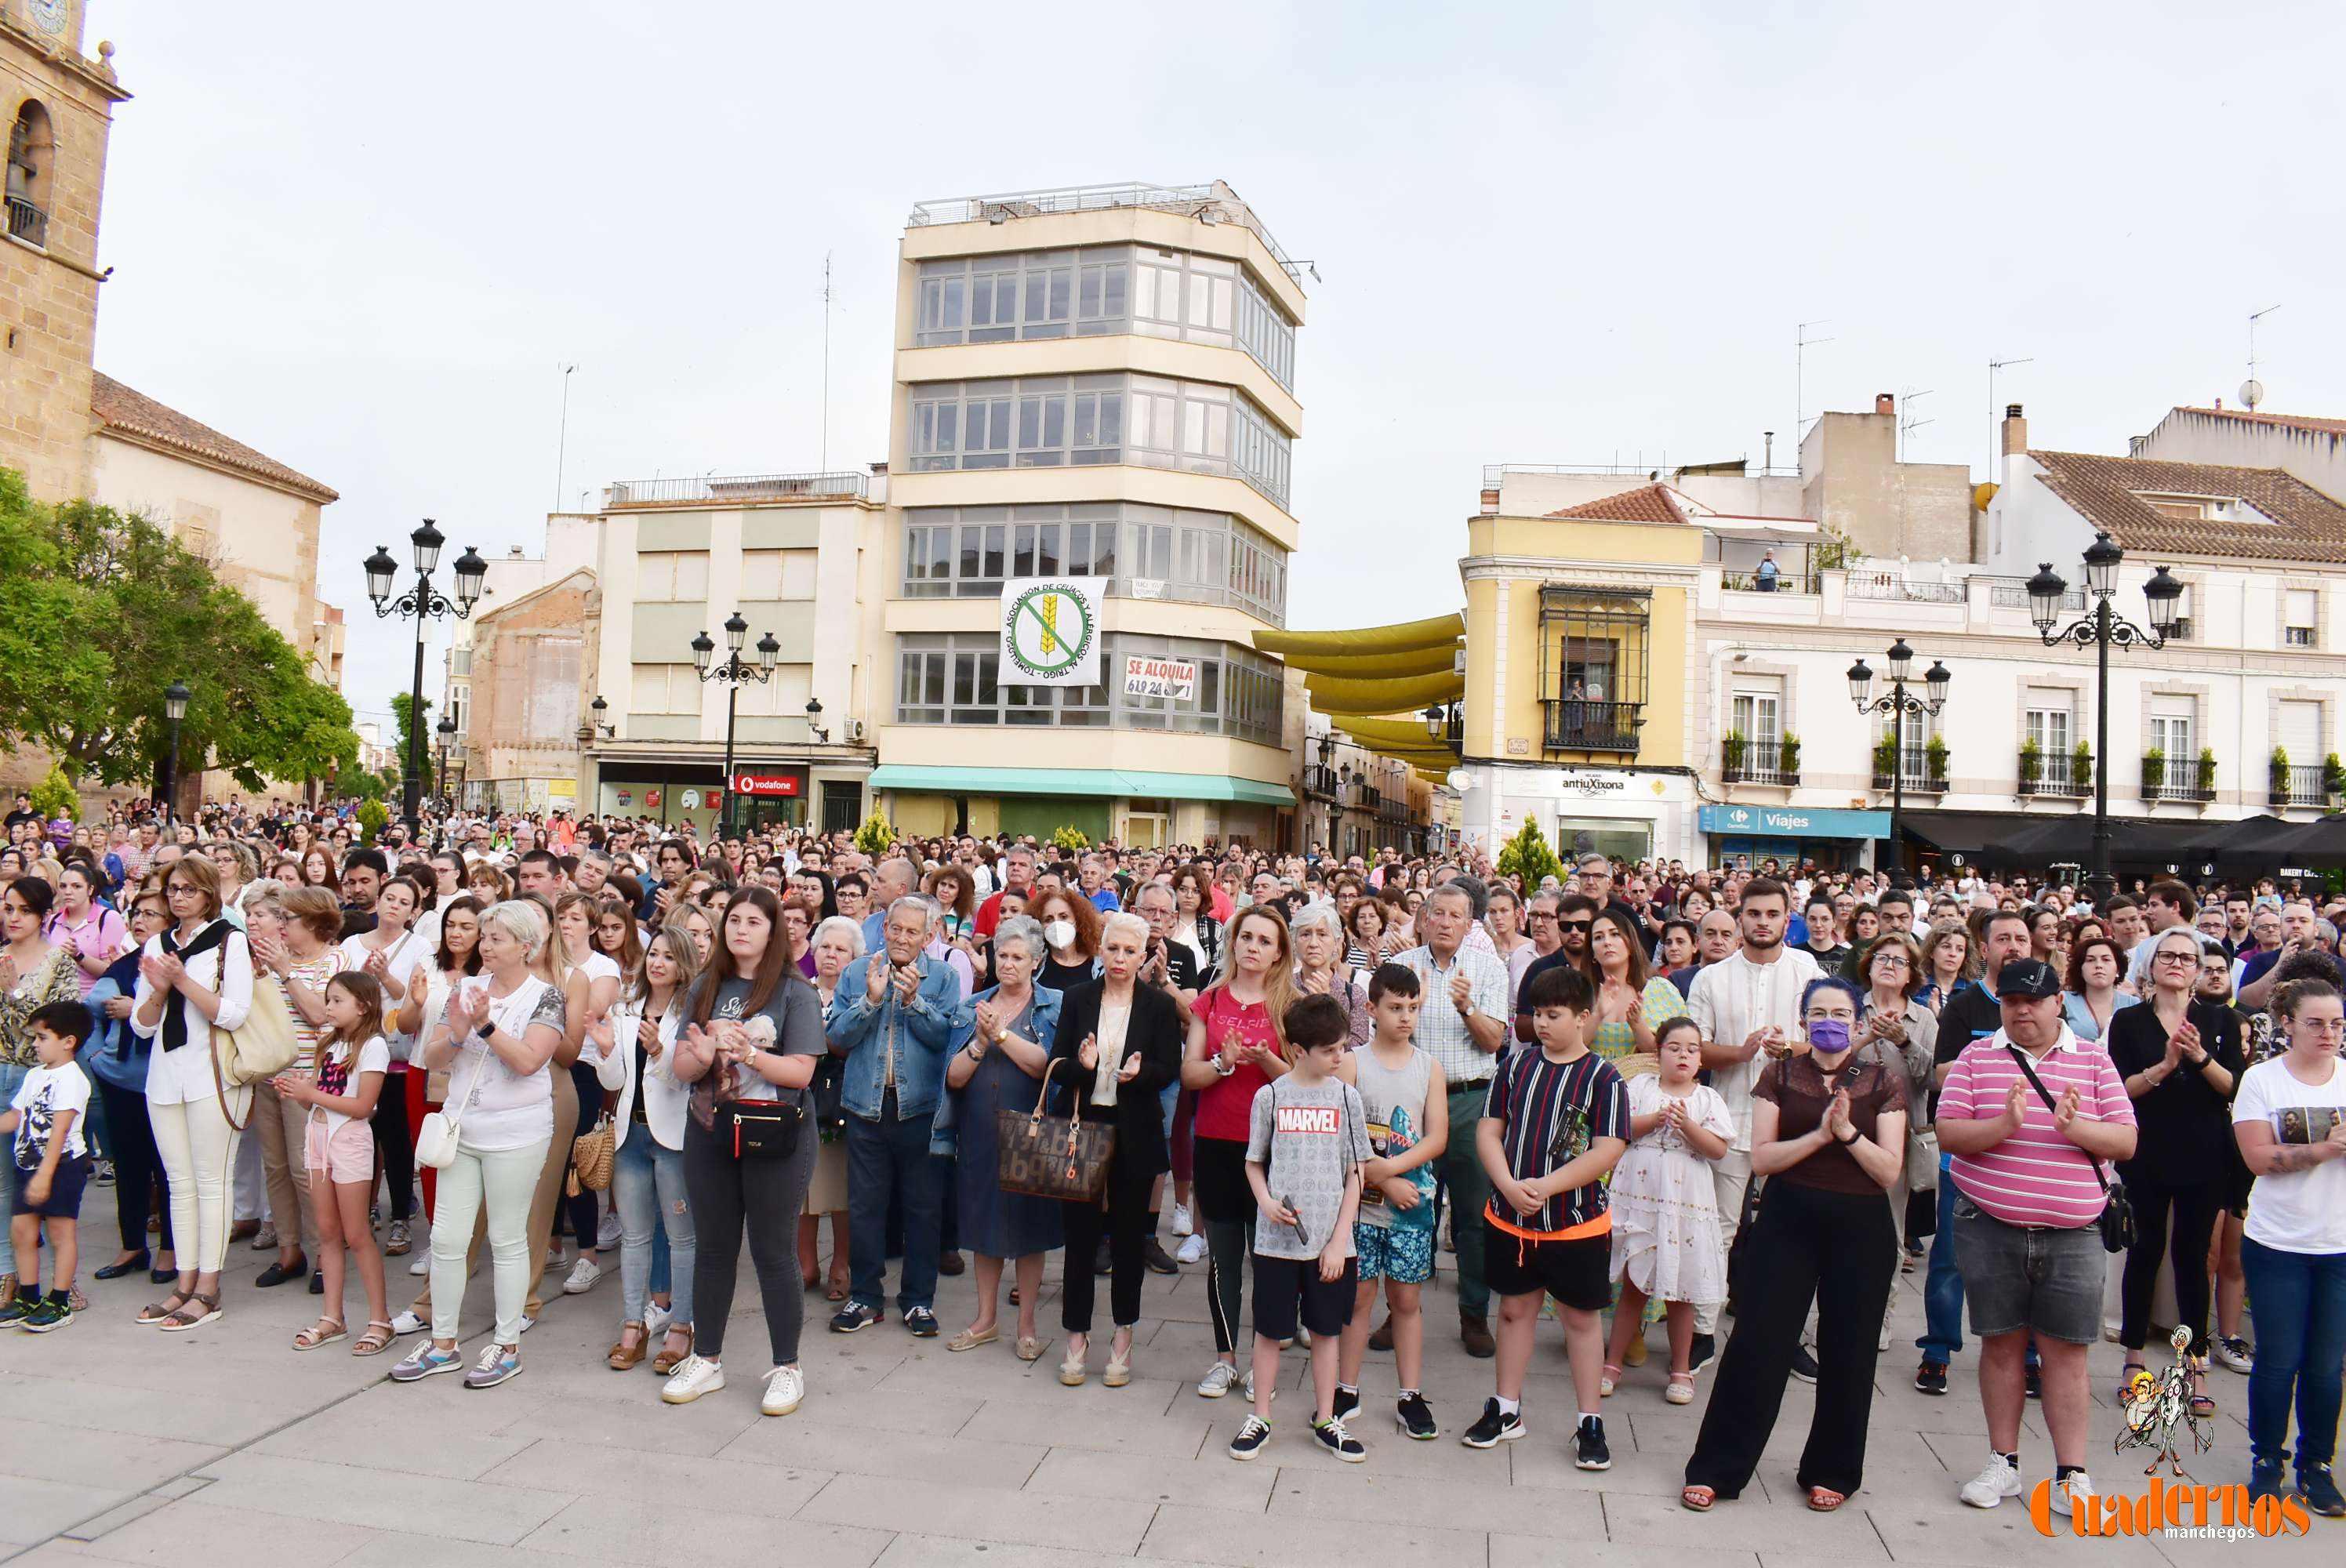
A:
(2117, 1210)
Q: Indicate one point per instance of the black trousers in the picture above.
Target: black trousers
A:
(760, 1197)
(1839, 1250)
(585, 1218)
(395, 1140)
(2195, 1209)
(138, 1168)
(1122, 1213)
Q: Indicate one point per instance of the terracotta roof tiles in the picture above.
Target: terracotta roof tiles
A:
(2107, 492)
(134, 414)
(1646, 503)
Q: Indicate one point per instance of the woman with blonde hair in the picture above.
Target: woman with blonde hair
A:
(635, 1058)
(295, 936)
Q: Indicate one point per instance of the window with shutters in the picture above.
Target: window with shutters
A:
(2301, 618)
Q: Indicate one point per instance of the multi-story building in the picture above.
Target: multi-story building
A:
(1357, 802)
(1092, 384)
(798, 557)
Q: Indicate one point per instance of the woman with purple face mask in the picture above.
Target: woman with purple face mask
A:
(1828, 1134)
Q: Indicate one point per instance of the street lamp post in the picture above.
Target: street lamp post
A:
(735, 674)
(175, 709)
(1898, 702)
(2101, 629)
(420, 604)
(447, 731)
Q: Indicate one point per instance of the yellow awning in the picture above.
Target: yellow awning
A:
(1439, 631)
(1388, 734)
(1334, 693)
(1408, 661)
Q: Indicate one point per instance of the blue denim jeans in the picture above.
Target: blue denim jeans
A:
(12, 1078)
(2298, 1303)
(647, 1186)
(885, 1159)
(1942, 1287)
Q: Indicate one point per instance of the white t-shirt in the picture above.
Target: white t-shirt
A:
(511, 1110)
(1735, 997)
(47, 1094)
(375, 1056)
(2295, 1211)
(402, 960)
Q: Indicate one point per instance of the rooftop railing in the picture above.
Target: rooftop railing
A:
(1214, 203)
(737, 489)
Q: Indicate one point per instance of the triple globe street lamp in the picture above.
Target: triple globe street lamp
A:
(735, 672)
(420, 604)
(1898, 702)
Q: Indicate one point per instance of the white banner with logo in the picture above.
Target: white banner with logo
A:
(1050, 632)
(1173, 678)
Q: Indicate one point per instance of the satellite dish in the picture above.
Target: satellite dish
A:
(2252, 393)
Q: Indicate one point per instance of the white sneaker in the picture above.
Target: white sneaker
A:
(556, 1257)
(407, 1322)
(1884, 1342)
(421, 1264)
(1181, 1226)
(1996, 1481)
(1192, 1251)
(609, 1235)
(527, 1323)
(2075, 1494)
(785, 1387)
(656, 1319)
(582, 1278)
(1219, 1379)
(694, 1375)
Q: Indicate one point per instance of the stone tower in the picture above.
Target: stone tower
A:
(59, 108)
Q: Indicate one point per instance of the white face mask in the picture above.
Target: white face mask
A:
(1060, 932)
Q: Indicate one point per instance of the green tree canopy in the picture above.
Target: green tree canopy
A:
(1529, 854)
(399, 704)
(100, 612)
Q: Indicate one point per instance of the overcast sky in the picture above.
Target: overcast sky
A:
(365, 239)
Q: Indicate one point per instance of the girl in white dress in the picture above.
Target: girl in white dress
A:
(1665, 1240)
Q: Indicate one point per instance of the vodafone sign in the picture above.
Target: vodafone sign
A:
(785, 783)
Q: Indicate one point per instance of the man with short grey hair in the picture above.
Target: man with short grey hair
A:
(1018, 876)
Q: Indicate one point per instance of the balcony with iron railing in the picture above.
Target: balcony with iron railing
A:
(1767, 769)
(26, 222)
(2056, 777)
(1320, 780)
(2178, 780)
(1919, 777)
(738, 490)
(1215, 203)
(2301, 784)
(1578, 724)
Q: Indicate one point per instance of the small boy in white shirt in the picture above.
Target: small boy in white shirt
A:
(44, 1124)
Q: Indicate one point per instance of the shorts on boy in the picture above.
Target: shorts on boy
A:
(66, 1185)
(347, 1155)
(1281, 1285)
(1576, 1270)
(1405, 1256)
(2039, 1278)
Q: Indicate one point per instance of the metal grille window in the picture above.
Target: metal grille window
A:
(2300, 621)
(1594, 659)
(1143, 552)
(955, 679)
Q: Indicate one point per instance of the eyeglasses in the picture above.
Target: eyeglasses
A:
(1542, 914)
(1891, 961)
(2177, 957)
(1578, 924)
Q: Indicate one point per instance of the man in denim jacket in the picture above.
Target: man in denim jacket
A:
(891, 1019)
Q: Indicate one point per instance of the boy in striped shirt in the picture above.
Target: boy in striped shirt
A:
(2027, 1115)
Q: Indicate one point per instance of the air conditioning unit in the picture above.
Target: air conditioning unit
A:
(855, 732)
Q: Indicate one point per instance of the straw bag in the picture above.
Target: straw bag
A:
(1062, 1157)
(260, 1047)
(590, 1157)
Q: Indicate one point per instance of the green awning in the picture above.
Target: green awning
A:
(1093, 782)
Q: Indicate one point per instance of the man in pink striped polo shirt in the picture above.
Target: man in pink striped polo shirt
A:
(2026, 1115)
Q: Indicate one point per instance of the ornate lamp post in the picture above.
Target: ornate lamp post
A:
(447, 731)
(422, 603)
(2101, 629)
(1898, 702)
(175, 709)
(735, 674)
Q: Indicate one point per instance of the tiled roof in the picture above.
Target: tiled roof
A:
(2307, 525)
(1646, 503)
(2289, 421)
(119, 408)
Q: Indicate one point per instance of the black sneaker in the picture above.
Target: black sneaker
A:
(1102, 1264)
(1330, 1435)
(854, 1317)
(1931, 1378)
(1493, 1427)
(921, 1323)
(1348, 1402)
(1415, 1417)
(1158, 1260)
(1588, 1449)
(1250, 1438)
(2314, 1483)
(2035, 1383)
(2267, 1479)
(1704, 1352)
(1804, 1366)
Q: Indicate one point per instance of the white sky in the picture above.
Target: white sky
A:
(364, 239)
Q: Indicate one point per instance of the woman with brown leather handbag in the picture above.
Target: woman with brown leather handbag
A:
(1117, 1044)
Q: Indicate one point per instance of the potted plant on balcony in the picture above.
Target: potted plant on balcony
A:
(2032, 764)
(2280, 769)
(2206, 779)
(1788, 757)
(2081, 768)
(2154, 771)
(1934, 759)
(1731, 747)
(1885, 761)
(2333, 777)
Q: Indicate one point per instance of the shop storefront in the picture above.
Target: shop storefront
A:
(1747, 836)
(1628, 813)
(1135, 809)
(767, 795)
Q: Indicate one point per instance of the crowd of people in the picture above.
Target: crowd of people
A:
(1661, 1095)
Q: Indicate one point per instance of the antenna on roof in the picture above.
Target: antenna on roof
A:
(1907, 424)
(1994, 444)
(562, 437)
(823, 465)
(1799, 376)
(2252, 391)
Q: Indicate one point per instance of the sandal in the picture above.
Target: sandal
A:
(1610, 1380)
(836, 1289)
(156, 1311)
(970, 1339)
(623, 1355)
(200, 1308)
(1697, 1499)
(2126, 1374)
(1825, 1498)
(1030, 1348)
(310, 1338)
(667, 1360)
(372, 1343)
(1681, 1388)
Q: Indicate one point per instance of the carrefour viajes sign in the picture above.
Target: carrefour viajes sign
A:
(1794, 822)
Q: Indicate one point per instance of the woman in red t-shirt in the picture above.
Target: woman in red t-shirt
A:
(1237, 1044)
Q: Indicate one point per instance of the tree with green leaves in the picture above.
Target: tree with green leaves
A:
(399, 704)
(100, 612)
(1529, 855)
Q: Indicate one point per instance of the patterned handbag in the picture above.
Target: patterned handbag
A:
(1063, 1158)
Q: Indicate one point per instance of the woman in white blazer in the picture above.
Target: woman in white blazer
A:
(635, 1048)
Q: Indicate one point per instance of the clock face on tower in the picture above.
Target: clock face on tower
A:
(50, 15)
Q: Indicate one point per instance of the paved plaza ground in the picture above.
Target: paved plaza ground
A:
(222, 1447)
